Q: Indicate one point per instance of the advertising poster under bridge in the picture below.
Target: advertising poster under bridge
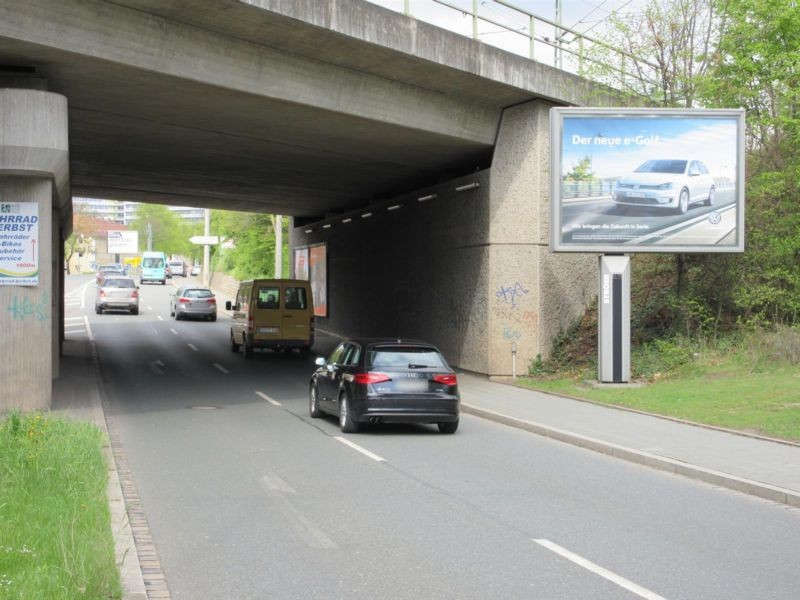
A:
(19, 239)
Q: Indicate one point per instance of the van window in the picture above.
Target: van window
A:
(294, 298)
(268, 297)
(151, 262)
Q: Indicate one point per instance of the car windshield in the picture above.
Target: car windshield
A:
(153, 263)
(406, 357)
(197, 294)
(663, 166)
(110, 269)
(110, 282)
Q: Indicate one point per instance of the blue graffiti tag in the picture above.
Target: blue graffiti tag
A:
(511, 293)
(511, 334)
(22, 309)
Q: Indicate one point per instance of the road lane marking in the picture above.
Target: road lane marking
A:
(157, 367)
(88, 327)
(263, 396)
(173, 331)
(221, 368)
(193, 347)
(358, 448)
(73, 318)
(160, 318)
(598, 570)
(308, 532)
(149, 308)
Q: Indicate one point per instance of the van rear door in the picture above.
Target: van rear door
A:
(267, 312)
(296, 312)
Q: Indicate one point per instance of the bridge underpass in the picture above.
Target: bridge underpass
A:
(323, 111)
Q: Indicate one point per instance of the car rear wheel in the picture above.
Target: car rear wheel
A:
(135, 311)
(313, 403)
(248, 348)
(683, 201)
(234, 345)
(346, 422)
(98, 310)
(212, 317)
(449, 427)
(710, 200)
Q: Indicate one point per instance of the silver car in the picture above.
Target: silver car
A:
(666, 183)
(117, 293)
(193, 302)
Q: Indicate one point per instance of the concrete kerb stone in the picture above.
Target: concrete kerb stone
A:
(739, 484)
(127, 558)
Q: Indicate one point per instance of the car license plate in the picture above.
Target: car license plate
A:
(411, 385)
(637, 194)
(268, 329)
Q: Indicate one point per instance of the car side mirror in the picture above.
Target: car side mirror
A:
(320, 362)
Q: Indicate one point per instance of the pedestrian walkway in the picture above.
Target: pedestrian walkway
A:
(752, 465)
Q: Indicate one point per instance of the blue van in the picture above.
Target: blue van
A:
(154, 267)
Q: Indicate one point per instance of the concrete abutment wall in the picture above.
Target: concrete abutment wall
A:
(33, 169)
(469, 271)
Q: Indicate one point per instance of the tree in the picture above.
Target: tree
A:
(582, 171)
(79, 240)
(253, 236)
(170, 232)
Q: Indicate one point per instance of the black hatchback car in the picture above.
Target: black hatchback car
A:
(385, 381)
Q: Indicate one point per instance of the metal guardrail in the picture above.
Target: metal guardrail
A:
(576, 46)
(585, 189)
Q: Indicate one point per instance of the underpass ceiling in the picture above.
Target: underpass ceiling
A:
(151, 136)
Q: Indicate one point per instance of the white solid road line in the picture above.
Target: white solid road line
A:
(173, 331)
(263, 396)
(88, 327)
(193, 347)
(358, 448)
(598, 570)
(221, 368)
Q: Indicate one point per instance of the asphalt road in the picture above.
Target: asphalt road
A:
(248, 497)
(650, 220)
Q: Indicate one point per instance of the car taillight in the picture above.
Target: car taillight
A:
(251, 324)
(134, 294)
(102, 294)
(370, 378)
(184, 300)
(445, 379)
(212, 300)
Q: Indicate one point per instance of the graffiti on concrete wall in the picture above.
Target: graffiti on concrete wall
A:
(24, 308)
(512, 293)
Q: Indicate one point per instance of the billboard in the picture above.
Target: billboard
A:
(647, 180)
(311, 263)
(123, 242)
(19, 237)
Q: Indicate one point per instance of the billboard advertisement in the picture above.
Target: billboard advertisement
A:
(123, 242)
(647, 180)
(19, 237)
(311, 264)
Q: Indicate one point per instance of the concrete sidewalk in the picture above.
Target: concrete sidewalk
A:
(749, 464)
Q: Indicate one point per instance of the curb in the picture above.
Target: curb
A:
(126, 554)
(739, 484)
(637, 411)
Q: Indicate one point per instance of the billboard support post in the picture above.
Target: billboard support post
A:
(614, 319)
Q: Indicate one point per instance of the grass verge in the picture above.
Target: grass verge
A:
(751, 384)
(55, 532)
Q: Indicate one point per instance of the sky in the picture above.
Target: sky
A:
(710, 140)
(586, 16)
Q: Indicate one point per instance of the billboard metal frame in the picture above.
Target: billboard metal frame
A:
(557, 116)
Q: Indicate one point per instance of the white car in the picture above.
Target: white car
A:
(195, 270)
(671, 184)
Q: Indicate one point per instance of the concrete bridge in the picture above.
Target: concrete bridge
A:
(331, 111)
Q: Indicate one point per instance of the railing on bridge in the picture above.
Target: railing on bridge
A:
(573, 190)
(525, 33)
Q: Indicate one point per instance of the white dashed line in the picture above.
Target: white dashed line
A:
(358, 448)
(598, 570)
(193, 347)
(221, 368)
(149, 308)
(160, 318)
(263, 396)
(173, 331)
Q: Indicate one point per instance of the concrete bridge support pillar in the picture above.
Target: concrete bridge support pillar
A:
(33, 174)
(533, 294)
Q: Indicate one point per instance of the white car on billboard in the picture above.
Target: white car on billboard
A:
(671, 184)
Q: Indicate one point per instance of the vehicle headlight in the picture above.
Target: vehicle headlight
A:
(665, 186)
